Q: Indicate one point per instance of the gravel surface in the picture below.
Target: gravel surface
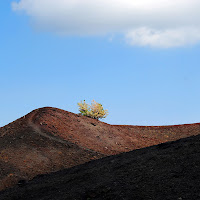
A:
(168, 171)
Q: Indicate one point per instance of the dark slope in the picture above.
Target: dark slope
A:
(51, 139)
(168, 171)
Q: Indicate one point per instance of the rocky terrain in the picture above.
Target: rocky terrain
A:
(50, 139)
(168, 171)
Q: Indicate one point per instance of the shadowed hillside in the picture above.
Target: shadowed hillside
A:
(168, 171)
(50, 139)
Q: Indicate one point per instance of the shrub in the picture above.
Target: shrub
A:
(95, 110)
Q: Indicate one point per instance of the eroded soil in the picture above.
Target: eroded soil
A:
(168, 171)
(50, 139)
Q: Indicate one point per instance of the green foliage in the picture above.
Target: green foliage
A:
(95, 110)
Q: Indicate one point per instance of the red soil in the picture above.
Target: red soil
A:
(50, 139)
(168, 171)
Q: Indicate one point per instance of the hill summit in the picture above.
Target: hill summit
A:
(50, 139)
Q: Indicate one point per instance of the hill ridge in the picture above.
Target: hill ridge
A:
(49, 139)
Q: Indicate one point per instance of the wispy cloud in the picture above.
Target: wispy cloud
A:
(155, 23)
(166, 38)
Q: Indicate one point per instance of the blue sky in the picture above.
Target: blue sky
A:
(139, 83)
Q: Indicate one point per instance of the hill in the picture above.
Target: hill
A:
(163, 172)
(50, 139)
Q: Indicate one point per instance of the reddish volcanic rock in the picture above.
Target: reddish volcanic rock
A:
(168, 171)
(105, 138)
(50, 139)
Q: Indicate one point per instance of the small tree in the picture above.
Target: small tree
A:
(95, 110)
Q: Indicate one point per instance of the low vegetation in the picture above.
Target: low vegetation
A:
(95, 110)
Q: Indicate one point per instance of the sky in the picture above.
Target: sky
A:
(139, 59)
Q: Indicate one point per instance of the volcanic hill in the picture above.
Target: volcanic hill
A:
(168, 171)
(50, 139)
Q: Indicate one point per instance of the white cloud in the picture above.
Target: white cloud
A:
(163, 38)
(156, 23)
